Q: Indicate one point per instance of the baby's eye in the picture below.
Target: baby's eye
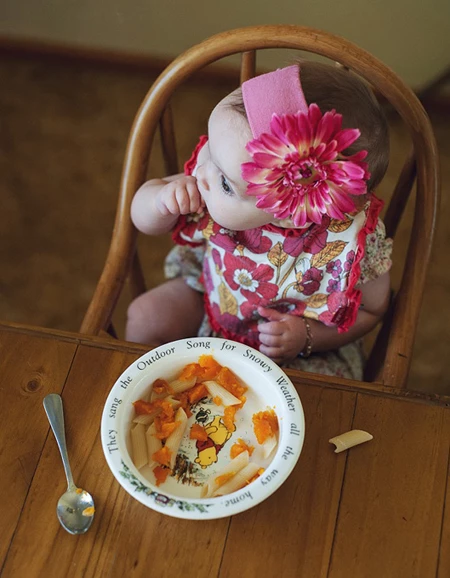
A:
(225, 186)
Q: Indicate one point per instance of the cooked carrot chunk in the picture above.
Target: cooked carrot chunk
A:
(230, 382)
(162, 456)
(161, 474)
(142, 407)
(189, 371)
(210, 367)
(265, 425)
(183, 398)
(196, 393)
(239, 447)
(165, 429)
(167, 410)
(198, 432)
(229, 414)
(161, 386)
(220, 480)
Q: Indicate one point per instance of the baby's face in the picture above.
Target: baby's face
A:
(218, 171)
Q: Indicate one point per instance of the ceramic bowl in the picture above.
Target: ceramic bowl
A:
(180, 495)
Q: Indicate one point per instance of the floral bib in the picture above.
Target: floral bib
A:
(310, 272)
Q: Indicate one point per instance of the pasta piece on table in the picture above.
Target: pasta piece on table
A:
(350, 439)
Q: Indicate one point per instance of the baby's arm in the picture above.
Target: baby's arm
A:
(283, 336)
(159, 202)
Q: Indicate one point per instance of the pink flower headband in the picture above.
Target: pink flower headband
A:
(298, 170)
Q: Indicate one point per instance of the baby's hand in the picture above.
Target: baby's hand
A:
(283, 337)
(180, 197)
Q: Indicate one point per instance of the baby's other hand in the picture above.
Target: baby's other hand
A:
(283, 336)
(180, 197)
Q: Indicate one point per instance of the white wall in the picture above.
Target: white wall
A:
(411, 36)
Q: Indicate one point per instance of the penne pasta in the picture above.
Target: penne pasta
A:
(268, 446)
(174, 440)
(153, 443)
(238, 481)
(234, 466)
(176, 386)
(146, 418)
(349, 439)
(139, 446)
(217, 391)
(180, 385)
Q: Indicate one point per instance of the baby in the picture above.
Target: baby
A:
(279, 241)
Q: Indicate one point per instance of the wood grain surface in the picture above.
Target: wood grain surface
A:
(394, 491)
(30, 369)
(380, 509)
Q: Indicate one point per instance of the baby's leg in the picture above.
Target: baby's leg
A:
(171, 311)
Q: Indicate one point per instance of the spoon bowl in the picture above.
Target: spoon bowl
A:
(75, 509)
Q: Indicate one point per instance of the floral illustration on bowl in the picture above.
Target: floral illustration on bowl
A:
(161, 499)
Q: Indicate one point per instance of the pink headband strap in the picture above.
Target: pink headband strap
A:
(278, 92)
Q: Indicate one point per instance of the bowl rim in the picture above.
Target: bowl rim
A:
(288, 451)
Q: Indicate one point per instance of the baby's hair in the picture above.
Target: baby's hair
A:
(335, 87)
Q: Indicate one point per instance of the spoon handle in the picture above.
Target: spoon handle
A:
(54, 409)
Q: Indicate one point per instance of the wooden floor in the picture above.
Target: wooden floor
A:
(63, 132)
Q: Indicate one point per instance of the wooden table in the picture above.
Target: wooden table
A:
(379, 510)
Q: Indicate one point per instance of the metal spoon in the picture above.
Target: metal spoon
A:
(75, 509)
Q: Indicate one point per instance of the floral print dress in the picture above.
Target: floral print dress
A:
(312, 272)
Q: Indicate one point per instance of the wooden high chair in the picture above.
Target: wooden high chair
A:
(390, 359)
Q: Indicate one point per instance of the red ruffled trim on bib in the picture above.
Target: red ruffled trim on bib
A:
(345, 319)
(189, 165)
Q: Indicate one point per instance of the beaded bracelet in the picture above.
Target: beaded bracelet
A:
(309, 340)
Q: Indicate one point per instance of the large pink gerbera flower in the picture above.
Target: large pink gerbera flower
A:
(298, 170)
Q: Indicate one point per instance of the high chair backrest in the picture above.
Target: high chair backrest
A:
(391, 356)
